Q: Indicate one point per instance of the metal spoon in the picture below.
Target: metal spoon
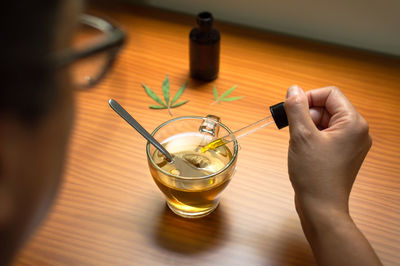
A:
(180, 164)
(131, 121)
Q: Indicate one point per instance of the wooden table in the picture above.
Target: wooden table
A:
(109, 210)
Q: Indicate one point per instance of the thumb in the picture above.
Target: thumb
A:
(298, 112)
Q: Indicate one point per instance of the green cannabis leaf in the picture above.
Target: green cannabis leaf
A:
(223, 97)
(166, 93)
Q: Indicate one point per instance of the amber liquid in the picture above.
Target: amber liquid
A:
(192, 195)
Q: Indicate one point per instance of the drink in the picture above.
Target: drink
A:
(185, 191)
(192, 188)
(188, 146)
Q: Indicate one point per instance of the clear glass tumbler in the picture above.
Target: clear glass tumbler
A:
(192, 197)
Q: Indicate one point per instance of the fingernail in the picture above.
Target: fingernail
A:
(293, 90)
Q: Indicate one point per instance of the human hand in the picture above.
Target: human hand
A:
(329, 140)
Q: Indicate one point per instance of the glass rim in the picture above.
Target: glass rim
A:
(150, 158)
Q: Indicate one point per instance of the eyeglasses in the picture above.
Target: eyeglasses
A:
(94, 49)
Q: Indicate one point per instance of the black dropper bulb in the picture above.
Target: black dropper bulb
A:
(279, 114)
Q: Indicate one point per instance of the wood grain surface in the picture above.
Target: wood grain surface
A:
(109, 210)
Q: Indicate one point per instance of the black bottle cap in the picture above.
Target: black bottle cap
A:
(279, 115)
(205, 20)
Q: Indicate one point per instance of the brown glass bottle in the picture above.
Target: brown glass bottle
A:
(204, 49)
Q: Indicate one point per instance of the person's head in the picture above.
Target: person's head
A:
(40, 57)
(36, 110)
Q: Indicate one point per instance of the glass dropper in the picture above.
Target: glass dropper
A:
(278, 116)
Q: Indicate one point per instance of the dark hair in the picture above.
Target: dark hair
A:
(27, 29)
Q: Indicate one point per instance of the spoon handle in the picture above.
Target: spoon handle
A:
(131, 121)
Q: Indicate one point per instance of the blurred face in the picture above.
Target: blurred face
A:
(31, 158)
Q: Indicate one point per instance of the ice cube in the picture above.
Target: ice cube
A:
(222, 151)
(160, 160)
(197, 160)
(175, 172)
